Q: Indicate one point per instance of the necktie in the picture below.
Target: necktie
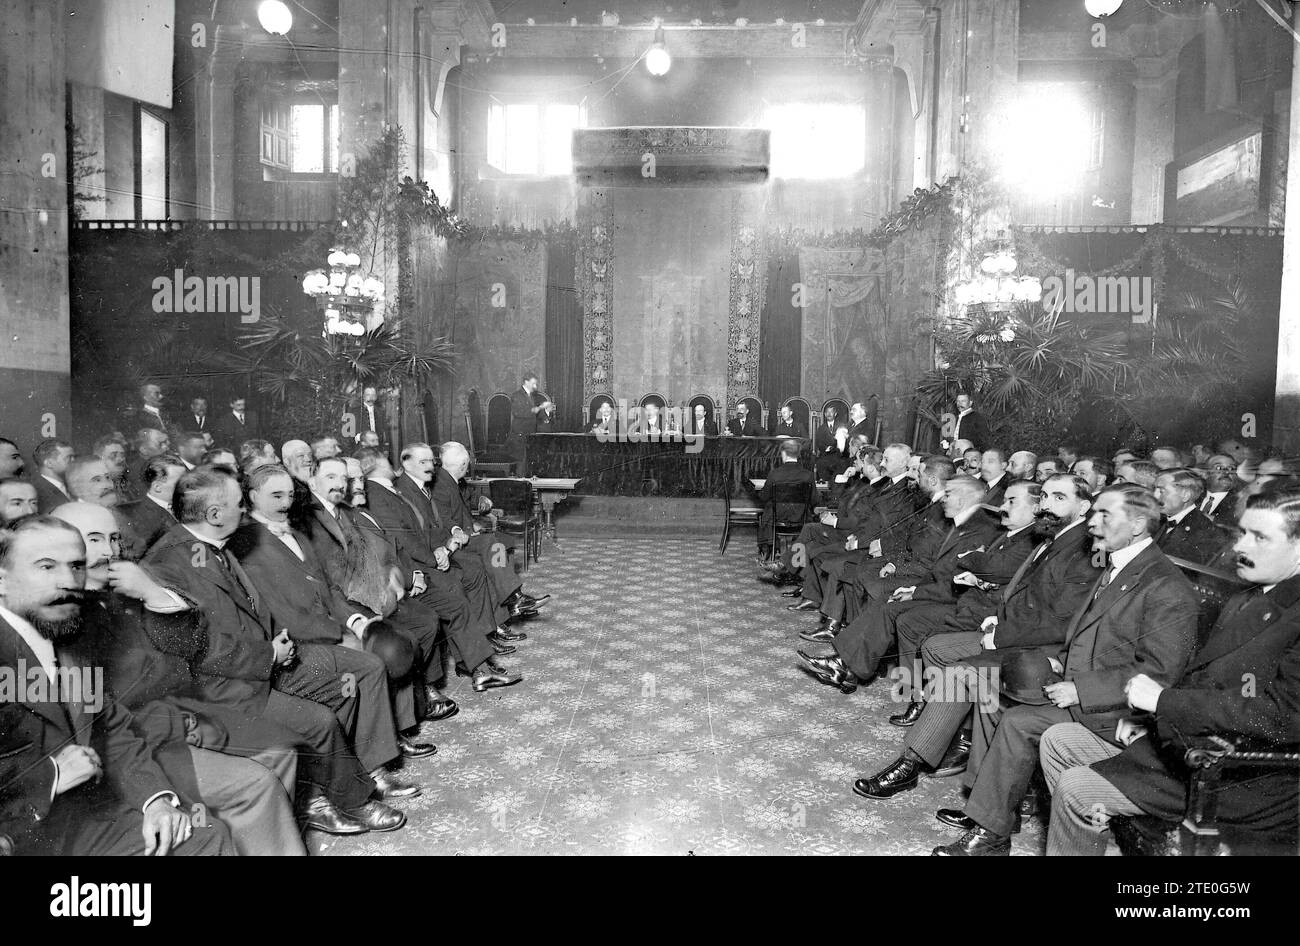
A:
(1207, 504)
(1106, 577)
(241, 578)
(239, 417)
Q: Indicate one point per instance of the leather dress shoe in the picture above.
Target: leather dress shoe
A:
(822, 635)
(503, 635)
(521, 612)
(954, 760)
(909, 716)
(831, 671)
(390, 785)
(903, 774)
(976, 842)
(415, 750)
(491, 679)
(956, 818)
(793, 593)
(502, 650)
(803, 605)
(439, 708)
(377, 816)
(321, 814)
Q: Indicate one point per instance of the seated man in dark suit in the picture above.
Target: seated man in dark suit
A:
(245, 657)
(861, 645)
(75, 777)
(1141, 770)
(788, 471)
(787, 425)
(1188, 533)
(1141, 618)
(603, 422)
(124, 612)
(993, 471)
(743, 425)
(830, 457)
(453, 511)
(1221, 486)
(334, 639)
(860, 422)
(235, 425)
(1031, 611)
(701, 422)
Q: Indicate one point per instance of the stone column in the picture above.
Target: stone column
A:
(214, 129)
(1153, 141)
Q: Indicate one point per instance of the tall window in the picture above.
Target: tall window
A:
(151, 166)
(823, 140)
(301, 137)
(533, 138)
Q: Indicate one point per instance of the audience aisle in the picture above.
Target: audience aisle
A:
(663, 713)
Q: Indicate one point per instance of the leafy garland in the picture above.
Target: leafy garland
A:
(920, 206)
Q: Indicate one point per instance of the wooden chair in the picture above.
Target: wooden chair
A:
(592, 410)
(474, 428)
(756, 409)
(791, 506)
(742, 511)
(710, 410)
(515, 504)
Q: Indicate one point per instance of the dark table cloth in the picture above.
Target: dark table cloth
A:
(722, 467)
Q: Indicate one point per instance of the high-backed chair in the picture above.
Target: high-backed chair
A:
(592, 410)
(802, 409)
(474, 421)
(498, 420)
(756, 409)
(710, 411)
(841, 410)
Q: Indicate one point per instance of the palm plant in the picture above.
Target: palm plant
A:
(312, 377)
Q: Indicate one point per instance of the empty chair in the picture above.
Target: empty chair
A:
(514, 503)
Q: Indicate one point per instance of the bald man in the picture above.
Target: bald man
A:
(123, 612)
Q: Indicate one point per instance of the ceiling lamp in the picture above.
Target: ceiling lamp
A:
(1100, 8)
(352, 303)
(276, 17)
(657, 58)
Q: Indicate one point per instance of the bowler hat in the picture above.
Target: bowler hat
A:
(1023, 676)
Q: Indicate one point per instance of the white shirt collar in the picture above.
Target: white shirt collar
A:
(55, 483)
(1076, 522)
(153, 410)
(329, 506)
(42, 648)
(965, 412)
(900, 476)
(1179, 517)
(216, 543)
(158, 502)
(1121, 557)
(1018, 531)
(385, 483)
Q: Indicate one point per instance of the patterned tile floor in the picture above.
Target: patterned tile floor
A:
(662, 712)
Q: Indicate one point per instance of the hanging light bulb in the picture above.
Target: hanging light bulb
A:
(1100, 8)
(276, 17)
(657, 58)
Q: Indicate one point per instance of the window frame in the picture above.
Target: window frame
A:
(498, 103)
(137, 148)
(275, 168)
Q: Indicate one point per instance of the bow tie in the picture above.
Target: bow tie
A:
(280, 529)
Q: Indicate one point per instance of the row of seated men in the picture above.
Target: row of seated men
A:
(242, 654)
(830, 438)
(1043, 622)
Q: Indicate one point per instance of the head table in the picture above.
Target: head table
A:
(717, 467)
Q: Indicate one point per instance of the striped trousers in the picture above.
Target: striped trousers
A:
(931, 735)
(1082, 801)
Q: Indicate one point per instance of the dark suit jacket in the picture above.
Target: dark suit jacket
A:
(48, 497)
(193, 422)
(997, 493)
(522, 423)
(298, 592)
(1196, 538)
(997, 565)
(792, 429)
(330, 544)
(973, 427)
(450, 502)
(404, 525)
(437, 530)
(139, 419)
(824, 440)
(750, 428)
(865, 428)
(148, 523)
(545, 420)
(1225, 514)
(362, 422)
(784, 474)
(1034, 610)
(32, 731)
(1256, 641)
(1144, 621)
(979, 531)
(235, 665)
(710, 428)
(228, 432)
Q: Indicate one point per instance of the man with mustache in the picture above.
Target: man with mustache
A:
(860, 647)
(1188, 533)
(1141, 617)
(17, 499)
(247, 651)
(1031, 611)
(123, 613)
(459, 597)
(11, 460)
(89, 482)
(346, 657)
(1244, 682)
(74, 778)
(1221, 485)
(52, 458)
